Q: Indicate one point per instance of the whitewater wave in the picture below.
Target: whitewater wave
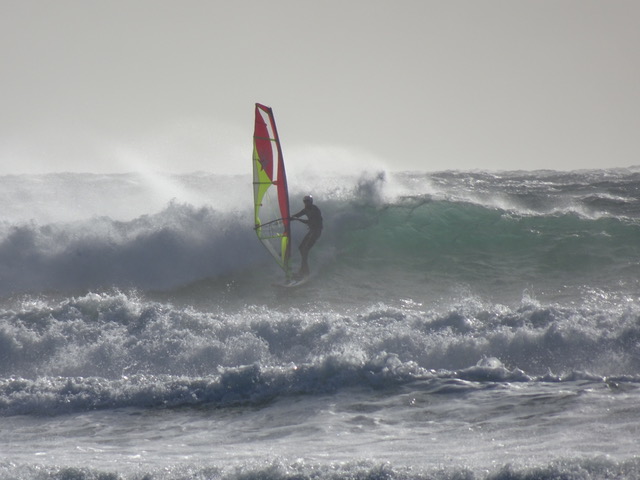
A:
(113, 351)
(364, 469)
(256, 386)
(174, 247)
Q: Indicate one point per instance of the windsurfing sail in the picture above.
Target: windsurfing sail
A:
(270, 192)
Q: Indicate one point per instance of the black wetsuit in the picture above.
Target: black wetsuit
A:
(314, 222)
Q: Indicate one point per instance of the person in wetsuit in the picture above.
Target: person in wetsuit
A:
(314, 222)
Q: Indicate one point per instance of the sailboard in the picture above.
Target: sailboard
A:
(270, 191)
(293, 282)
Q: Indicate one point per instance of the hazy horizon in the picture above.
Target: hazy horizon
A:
(122, 86)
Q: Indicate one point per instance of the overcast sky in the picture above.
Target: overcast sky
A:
(122, 85)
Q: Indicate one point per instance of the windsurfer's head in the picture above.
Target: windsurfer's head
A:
(308, 200)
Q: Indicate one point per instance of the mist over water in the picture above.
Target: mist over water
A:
(456, 325)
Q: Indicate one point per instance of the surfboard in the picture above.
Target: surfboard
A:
(270, 192)
(293, 283)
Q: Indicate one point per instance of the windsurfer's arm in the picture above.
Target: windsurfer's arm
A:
(297, 216)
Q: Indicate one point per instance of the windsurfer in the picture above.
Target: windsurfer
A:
(314, 222)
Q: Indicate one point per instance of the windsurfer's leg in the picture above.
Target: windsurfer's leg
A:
(304, 267)
(305, 246)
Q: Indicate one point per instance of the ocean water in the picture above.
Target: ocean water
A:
(457, 325)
